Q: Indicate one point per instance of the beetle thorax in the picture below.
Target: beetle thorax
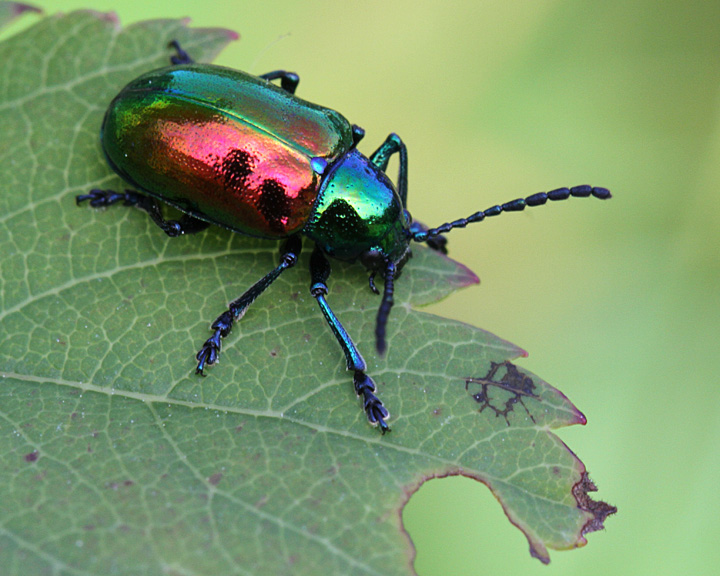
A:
(358, 210)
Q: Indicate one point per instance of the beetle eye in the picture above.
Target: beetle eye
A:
(373, 260)
(408, 217)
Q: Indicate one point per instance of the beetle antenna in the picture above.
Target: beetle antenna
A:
(513, 206)
(385, 306)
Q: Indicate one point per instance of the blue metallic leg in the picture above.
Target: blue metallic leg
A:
(208, 354)
(364, 385)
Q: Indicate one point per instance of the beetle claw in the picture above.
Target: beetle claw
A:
(371, 281)
(208, 354)
(374, 409)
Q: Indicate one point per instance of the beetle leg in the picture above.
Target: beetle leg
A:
(357, 134)
(186, 225)
(393, 145)
(364, 385)
(208, 354)
(182, 56)
(288, 80)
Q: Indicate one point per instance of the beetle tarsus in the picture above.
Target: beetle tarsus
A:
(374, 409)
(182, 57)
(371, 282)
(102, 198)
(208, 354)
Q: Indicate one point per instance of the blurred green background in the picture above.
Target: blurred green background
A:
(617, 302)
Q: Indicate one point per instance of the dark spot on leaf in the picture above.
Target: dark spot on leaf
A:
(274, 353)
(239, 428)
(32, 457)
(307, 337)
(437, 412)
(89, 527)
(513, 385)
(556, 470)
(73, 416)
(128, 483)
(215, 478)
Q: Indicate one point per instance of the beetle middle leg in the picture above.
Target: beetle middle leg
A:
(209, 352)
(394, 145)
(173, 228)
(364, 385)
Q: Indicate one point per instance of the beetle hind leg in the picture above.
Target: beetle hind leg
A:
(376, 413)
(173, 228)
(208, 354)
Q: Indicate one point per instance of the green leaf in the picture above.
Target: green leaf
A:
(116, 458)
(11, 10)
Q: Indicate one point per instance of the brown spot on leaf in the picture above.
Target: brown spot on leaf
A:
(599, 509)
(32, 457)
(215, 478)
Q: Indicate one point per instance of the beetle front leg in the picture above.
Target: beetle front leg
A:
(394, 145)
(288, 80)
(208, 354)
(173, 228)
(364, 385)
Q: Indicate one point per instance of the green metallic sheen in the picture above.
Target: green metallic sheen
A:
(358, 210)
(224, 146)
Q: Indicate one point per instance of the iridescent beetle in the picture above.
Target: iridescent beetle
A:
(240, 152)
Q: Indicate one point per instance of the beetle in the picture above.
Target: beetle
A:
(238, 151)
